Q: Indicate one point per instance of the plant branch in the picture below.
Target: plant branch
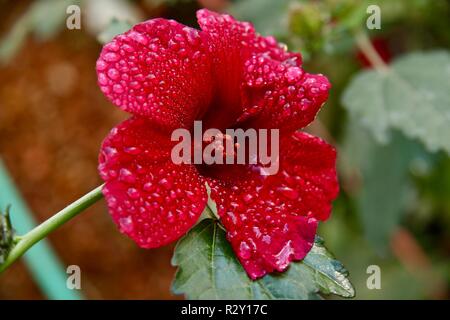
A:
(25, 242)
(364, 44)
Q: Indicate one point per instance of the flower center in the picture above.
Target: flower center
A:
(213, 149)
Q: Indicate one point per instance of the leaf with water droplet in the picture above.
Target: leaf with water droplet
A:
(6, 235)
(209, 269)
(412, 97)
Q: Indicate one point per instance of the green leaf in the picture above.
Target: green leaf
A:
(114, 28)
(209, 269)
(412, 97)
(44, 19)
(47, 17)
(386, 189)
(6, 235)
(269, 17)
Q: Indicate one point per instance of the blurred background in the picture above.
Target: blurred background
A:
(394, 207)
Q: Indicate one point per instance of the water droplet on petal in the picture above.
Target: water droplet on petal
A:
(132, 150)
(232, 217)
(133, 193)
(165, 183)
(170, 217)
(126, 224)
(110, 153)
(112, 202)
(148, 186)
(102, 79)
(248, 198)
(288, 192)
(111, 57)
(267, 239)
(101, 65)
(113, 74)
(293, 74)
(138, 37)
(244, 250)
(117, 88)
(127, 176)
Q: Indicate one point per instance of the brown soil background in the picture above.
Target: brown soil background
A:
(53, 119)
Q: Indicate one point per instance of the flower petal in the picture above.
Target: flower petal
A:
(230, 44)
(151, 199)
(272, 220)
(159, 69)
(280, 94)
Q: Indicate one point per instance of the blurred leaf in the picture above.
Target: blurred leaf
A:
(269, 17)
(208, 269)
(413, 97)
(47, 17)
(352, 248)
(44, 19)
(308, 21)
(99, 14)
(386, 187)
(115, 27)
(12, 42)
(6, 235)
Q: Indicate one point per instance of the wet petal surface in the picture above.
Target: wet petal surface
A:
(151, 199)
(272, 220)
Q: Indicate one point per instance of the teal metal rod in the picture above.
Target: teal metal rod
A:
(44, 265)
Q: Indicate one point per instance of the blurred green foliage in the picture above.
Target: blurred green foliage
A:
(389, 187)
(43, 19)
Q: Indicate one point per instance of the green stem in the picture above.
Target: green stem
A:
(210, 212)
(26, 241)
(364, 44)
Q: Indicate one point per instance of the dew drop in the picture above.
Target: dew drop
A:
(127, 176)
(133, 193)
(165, 183)
(267, 239)
(288, 192)
(148, 186)
(126, 224)
(112, 173)
(102, 79)
(244, 250)
(101, 65)
(190, 195)
(248, 198)
(117, 88)
(127, 48)
(111, 57)
(293, 74)
(113, 74)
(112, 202)
(232, 217)
(132, 150)
(170, 217)
(138, 37)
(257, 232)
(110, 153)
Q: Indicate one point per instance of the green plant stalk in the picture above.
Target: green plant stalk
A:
(364, 44)
(25, 242)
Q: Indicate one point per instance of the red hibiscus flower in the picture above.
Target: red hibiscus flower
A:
(168, 75)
